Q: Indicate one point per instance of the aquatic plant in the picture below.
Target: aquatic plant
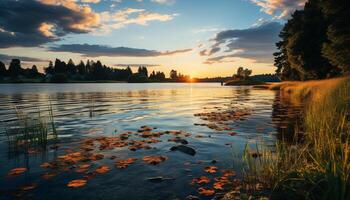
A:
(32, 128)
(319, 166)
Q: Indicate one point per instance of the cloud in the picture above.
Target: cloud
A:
(130, 16)
(7, 58)
(88, 50)
(279, 8)
(30, 23)
(256, 43)
(90, 1)
(164, 2)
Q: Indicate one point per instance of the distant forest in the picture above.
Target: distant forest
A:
(315, 42)
(61, 72)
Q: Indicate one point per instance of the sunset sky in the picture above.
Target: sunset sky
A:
(202, 38)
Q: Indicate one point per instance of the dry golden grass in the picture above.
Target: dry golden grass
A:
(304, 89)
(320, 165)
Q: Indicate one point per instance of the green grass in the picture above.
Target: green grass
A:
(319, 167)
(32, 128)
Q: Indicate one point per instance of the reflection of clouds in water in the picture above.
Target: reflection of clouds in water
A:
(167, 108)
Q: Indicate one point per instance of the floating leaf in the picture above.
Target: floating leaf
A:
(121, 164)
(211, 169)
(201, 180)
(17, 171)
(46, 165)
(145, 128)
(218, 185)
(228, 173)
(48, 175)
(28, 186)
(222, 179)
(154, 160)
(206, 192)
(95, 157)
(102, 169)
(77, 183)
(82, 168)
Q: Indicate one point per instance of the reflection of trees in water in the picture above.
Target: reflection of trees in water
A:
(241, 95)
(287, 117)
(32, 152)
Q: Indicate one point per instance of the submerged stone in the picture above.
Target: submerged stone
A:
(184, 149)
(158, 179)
(192, 197)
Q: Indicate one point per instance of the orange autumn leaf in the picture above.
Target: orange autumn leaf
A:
(223, 179)
(201, 180)
(206, 192)
(228, 173)
(77, 183)
(154, 160)
(48, 175)
(82, 168)
(121, 164)
(17, 171)
(28, 186)
(218, 185)
(102, 169)
(211, 169)
(46, 165)
(71, 158)
(95, 157)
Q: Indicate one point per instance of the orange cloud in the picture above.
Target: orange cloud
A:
(280, 8)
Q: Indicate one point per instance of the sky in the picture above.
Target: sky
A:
(200, 38)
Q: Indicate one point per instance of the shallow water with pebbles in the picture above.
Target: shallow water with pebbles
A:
(115, 139)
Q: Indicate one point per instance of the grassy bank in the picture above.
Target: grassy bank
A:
(319, 166)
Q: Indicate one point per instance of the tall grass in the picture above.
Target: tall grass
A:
(32, 128)
(319, 167)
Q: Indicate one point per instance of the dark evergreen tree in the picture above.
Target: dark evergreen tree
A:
(152, 75)
(81, 69)
(337, 47)
(49, 69)
(32, 72)
(128, 72)
(143, 71)
(15, 68)
(3, 71)
(173, 74)
(299, 53)
(60, 67)
(157, 76)
(72, 70)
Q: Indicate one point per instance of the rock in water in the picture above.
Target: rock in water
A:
(184, 149)
(191, 197)
(158, 179)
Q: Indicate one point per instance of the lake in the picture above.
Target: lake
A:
(89, 111)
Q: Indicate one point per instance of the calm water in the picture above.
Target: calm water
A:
(89, 110)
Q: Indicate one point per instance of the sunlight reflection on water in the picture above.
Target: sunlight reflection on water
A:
(89, 110)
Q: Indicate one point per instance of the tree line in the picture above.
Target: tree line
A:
(315, 42)
(60, 71)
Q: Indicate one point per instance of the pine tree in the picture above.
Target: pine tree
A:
(337, 48)
(3, 71)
